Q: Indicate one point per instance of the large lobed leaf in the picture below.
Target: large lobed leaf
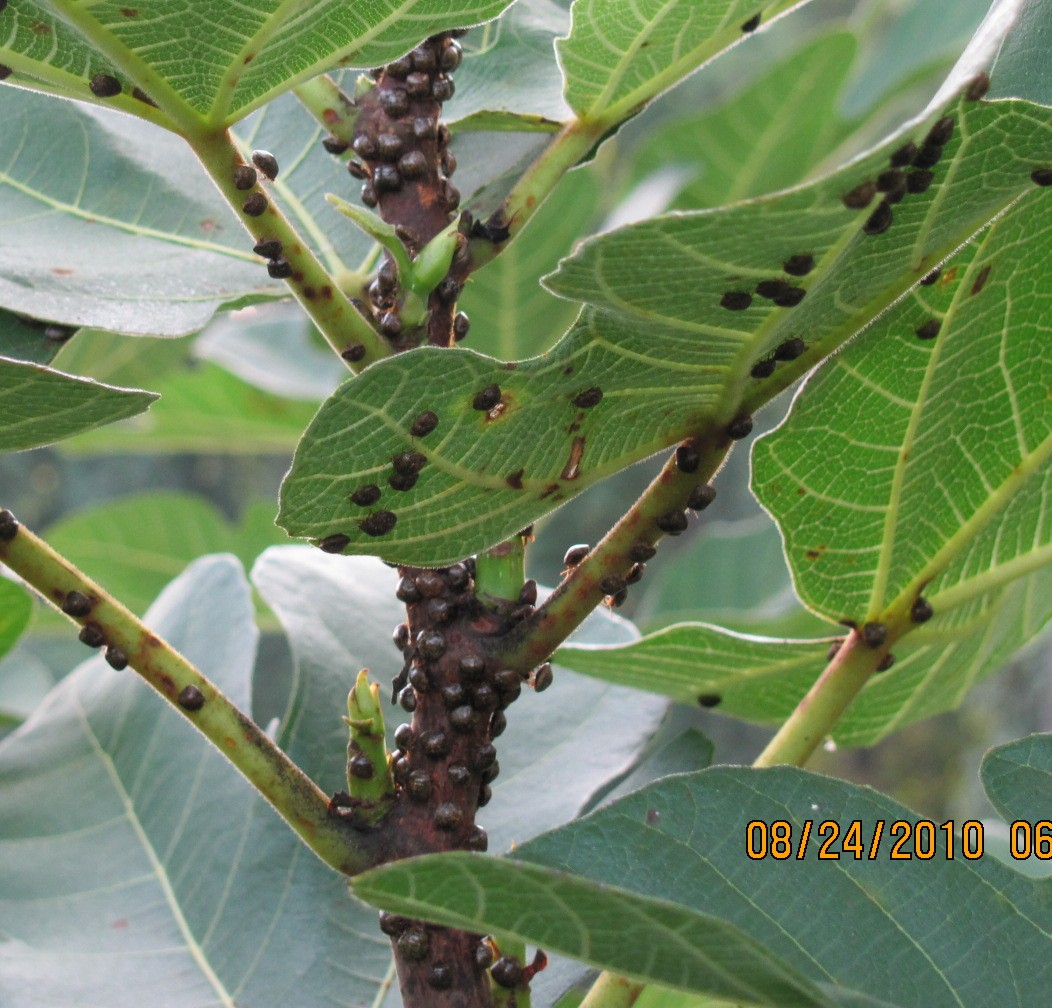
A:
(655, 340)
(39, 405)
(254, 52)
(619, 56)
(954, 932)
(938, 481)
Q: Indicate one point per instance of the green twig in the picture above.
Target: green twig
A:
(369, 779)
(342, 325)
(612, 991)
(501, 571)
(634, 535)
(330, 105)
(105, 622)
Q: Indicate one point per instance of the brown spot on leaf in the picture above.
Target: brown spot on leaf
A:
(130, 12)
(60, 271)
(40, 28)
(549, 490)
(980, 280)
(572, 469)
(515, 479)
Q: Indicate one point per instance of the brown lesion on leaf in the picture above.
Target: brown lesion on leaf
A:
(572, 469)
(514, 480)
(980, 280)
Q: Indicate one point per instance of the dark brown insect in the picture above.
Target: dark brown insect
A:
(105, 86)
(919, 181)
(440, 610)
(386, 178)
(450, 196)
(790, 297)
(484, 697)
(931, 277)
(929, 330)
(255, 205)
(436, 744)
(575, 554)
(423, 57)
(472, 666)
(355, 352)
(409, 461)
(859, 197)
(392, 924)
(378, 523)
(752, 24)
(191, 698)
(412, 165)
(76, 604)
(904, 155)
(430, 583)
(448, 817)
(485, 794)
(461, 325)
(507, 972)
(977, 87)
(395, 102)
(413, 944)
(424, 424)
(407, 699)
(588, 398)
(403, 481)
(879, 221)
(928, 156)
(701, 497)
(799, 265)
(790, 349)
(357, 170)
(431, 644)
(424, 128)
(368, 195)
(389, 146)
(874, 634)
(462, 719)
(442, 89)
(891, 180)
(921, 610)
(688, 458)
(641, 552)
(477, 839)
(736, 300)
(334, 145)
(484, 955)
(266, 163)
(1041, 176)
(440, 976)
(335, 543)
(939, 135)
(404, 735)
(244, 177)
(92, 636)
(710, 700)
(497, 724)
(116, 657)
(542, 677)
(450, 56)
(364, 146)
(740, 427)
(268, 248)
(611, 584)
(448, 162)
(361, 767)
(279, 268)
(672, 522)
(487, 398)
(366, 495)
(763, 368)
(771, 288)
(5, 72)
(885, 663)
(418, 785)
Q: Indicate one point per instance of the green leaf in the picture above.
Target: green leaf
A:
(1018, 778)
(598, 731)
(941, 454)
(24, 682)
(618, 58)
(15, 612)
(203, 408)
(135, 546)
(128, 233)
(1021, 70)
(39, 405)
(509, 74)
(195, 886)
(28, 339)
(254, 52)
(512, 315)
(961, 933)
(769, 136)
(668, 357)
(134, 361)
(759, 678)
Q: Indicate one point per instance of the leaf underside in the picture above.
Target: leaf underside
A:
(654, 338)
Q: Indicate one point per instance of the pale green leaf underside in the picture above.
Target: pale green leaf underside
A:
(755, 677)
(939, 480)
(1018, 778)
(253, 52)
(39, 405)
(667, 356)
(620, 55)
(960, 933)
(137, 860)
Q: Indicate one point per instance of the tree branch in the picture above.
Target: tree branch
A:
(342, 325)
(105, 622)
